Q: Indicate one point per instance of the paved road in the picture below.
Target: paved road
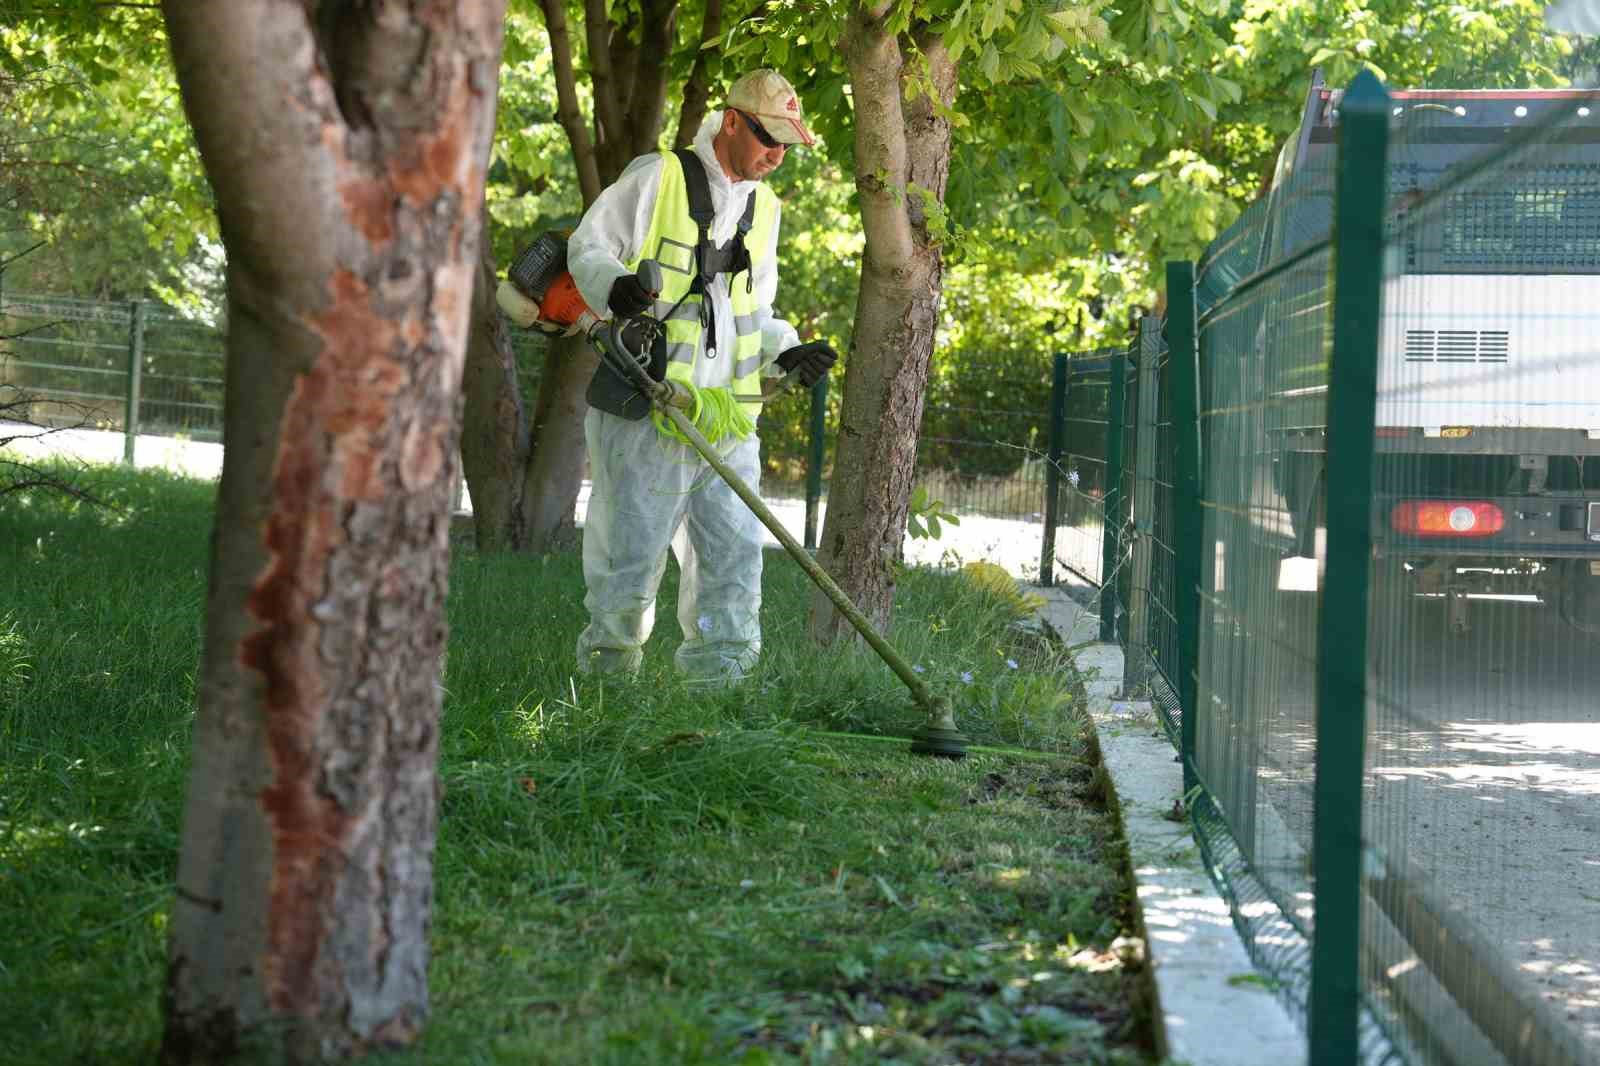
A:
(1485, 770)
(1483, 778)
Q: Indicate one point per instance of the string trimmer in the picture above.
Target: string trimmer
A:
(624, 344)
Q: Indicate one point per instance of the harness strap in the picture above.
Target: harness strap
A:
(709, 261)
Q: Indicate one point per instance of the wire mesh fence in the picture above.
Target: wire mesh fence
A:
(136, 368)
(131, 366)
(1148, 622)
(1262, 301)
(1483, 734)
(1385, 706)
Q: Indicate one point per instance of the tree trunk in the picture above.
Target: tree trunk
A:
(494, 433)
(555, 470)
(629, 91)
(346, 146)
(902, 163)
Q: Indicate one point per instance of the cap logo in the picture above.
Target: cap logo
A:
(793, 104)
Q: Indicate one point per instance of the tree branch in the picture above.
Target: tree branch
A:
(647, 103)
(568, 113)
(697, 90)
(608, 118)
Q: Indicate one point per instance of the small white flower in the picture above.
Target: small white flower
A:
(703, 623)
(747, 883)
(966, 677)
(1011, 664)
(917, 668)
(1072, 478)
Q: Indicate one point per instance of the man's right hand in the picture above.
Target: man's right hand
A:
(629, 297)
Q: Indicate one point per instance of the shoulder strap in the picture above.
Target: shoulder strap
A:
(699, 189)
(749, 216)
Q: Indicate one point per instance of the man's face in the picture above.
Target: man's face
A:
(749, 156)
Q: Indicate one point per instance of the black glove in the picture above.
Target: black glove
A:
(629, 297)
(812, 360)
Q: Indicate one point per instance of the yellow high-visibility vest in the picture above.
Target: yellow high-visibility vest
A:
(671, 242)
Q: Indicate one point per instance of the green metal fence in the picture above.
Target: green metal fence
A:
(135, 366)
(1083, 465)
(1358, 576)
(138, 368)
(1143, 608)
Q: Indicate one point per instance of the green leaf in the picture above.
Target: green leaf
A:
(1080, 114)
(1322, 55)
(1066, 23)
(993, 18)
(989, 62)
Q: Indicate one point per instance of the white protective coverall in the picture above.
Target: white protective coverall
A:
(644, 487)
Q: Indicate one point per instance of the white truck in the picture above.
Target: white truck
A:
(1488, 413)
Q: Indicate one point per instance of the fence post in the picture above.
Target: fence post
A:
(1136, 659)
(819, 429)
(130, 417)
(1052, 470)
(1111, 498)
(1183, 364)
(1342, 622)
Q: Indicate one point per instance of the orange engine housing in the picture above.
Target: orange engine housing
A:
(562, 305)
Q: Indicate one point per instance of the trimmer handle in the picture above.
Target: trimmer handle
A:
(649, 275)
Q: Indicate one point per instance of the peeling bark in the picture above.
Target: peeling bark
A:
(346, 145)
(899, 144)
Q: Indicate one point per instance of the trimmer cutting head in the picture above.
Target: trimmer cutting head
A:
(939, 736)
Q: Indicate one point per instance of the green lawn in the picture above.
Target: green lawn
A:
(627, 872)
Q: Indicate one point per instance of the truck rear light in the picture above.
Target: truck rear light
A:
(1447, 518)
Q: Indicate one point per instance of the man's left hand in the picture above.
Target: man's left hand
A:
(811, 361)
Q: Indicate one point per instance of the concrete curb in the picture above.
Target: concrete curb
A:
(1210, 1008)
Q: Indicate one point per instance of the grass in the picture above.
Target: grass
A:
(627, 872)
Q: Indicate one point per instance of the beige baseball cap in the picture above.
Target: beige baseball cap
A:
(768, 96)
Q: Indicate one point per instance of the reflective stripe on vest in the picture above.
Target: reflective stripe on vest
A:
(671, 241)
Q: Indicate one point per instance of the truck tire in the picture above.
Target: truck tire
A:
(1578, 596)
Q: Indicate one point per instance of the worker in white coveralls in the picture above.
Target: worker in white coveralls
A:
(644, 483)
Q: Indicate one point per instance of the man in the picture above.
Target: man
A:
(644, 484)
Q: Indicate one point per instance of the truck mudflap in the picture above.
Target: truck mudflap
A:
(1577, 594)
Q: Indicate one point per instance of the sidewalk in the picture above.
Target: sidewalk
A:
(1205, 1015)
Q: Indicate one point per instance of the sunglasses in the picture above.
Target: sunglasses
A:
(767, 140)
